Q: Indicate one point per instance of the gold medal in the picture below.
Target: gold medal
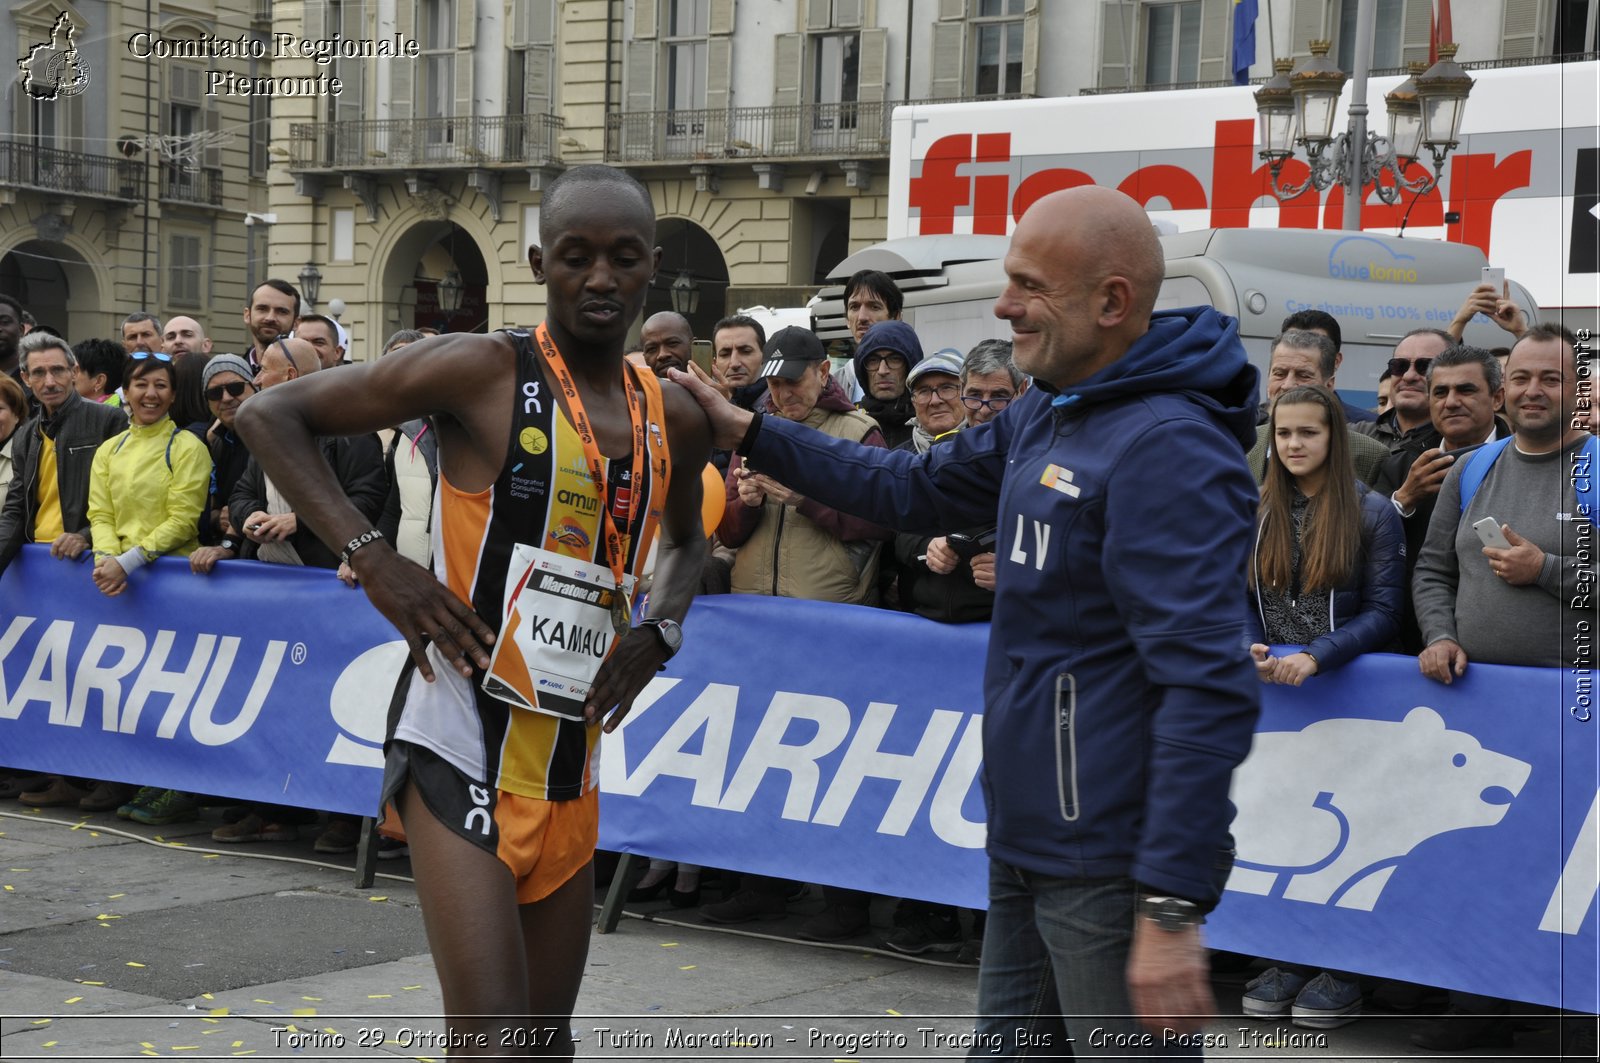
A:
(621, 612)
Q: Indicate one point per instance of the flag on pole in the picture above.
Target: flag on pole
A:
(1244, 39)
(1439, 29)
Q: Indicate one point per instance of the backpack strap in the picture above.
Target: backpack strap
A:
(1477, 467)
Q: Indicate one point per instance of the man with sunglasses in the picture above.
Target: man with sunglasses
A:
(48, 500)
(227, 383)
(1406, 422)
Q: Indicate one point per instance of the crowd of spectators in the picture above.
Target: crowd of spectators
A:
(116, 453)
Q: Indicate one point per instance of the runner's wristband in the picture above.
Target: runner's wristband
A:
(749, 440)
(371, 535)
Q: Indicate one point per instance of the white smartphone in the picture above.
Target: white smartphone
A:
(1489, 533)
(1495, 275)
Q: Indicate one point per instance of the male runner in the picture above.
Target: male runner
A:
(551, 454)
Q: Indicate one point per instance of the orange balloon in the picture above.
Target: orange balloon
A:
(713, 499)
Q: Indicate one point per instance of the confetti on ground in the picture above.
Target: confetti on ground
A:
(207, 996)
(133, 963)
(146, 1044)
(258, 1000)
(379, 996)
(42, 1022)
(688, 968)
(116, 896)
(304, 1012)
(20, 870)
(103, 917)
(891, 1011)
(50, 1044)
(11, 889)
(669, 944)
(85, 982)
(72, 1000)
(375, 900)
(186, 1048)
(213, 1021)
(78, 825)
(410, 987)
(314, 1000)
(211, 856)
(237, 1044)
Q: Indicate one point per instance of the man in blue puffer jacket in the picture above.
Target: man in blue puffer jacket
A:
(1118, 692)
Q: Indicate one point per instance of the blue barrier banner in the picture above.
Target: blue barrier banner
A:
(260, 682)
(1386, 824)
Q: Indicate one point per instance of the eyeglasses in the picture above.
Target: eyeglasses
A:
(944, 391)
(1399, 366)
(998, 403)
(235, 388)
(893, 361)
(59, 372)
(160, 356)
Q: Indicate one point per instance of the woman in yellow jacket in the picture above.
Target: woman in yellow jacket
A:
(148, 485)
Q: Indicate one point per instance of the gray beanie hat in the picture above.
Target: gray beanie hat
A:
(225, 363)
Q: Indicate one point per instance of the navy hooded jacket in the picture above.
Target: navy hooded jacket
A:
(1119, 693)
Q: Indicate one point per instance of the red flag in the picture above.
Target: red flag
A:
(1438, 29)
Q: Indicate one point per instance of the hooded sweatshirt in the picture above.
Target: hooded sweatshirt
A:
(1118, 690)
(894, 416)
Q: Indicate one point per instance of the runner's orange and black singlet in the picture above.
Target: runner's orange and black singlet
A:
(544, 497)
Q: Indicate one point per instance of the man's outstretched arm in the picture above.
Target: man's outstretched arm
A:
(452, 377)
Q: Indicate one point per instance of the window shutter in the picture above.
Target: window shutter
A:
(720, 20)
(641, 70)
(847, 14)
(402, 72)
(466, 23)
(213, 124)
(1214, 40)
(949, 60)
(719, 92)
(787, 70)
(645, 21)
(519, 18)
(1030, 49)
(1418, 21)
(1519, 29)
(536, 67)
(819, 14)
(952, 10)
(463, 77)
(872, 126)
(353, 72)
(1308, 20)
(1116, 27)
(316, 19)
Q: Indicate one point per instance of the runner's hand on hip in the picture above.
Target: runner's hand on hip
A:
(423, 610)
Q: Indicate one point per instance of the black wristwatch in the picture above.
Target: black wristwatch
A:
(229, 544)
(668, 631)
(1170, 913)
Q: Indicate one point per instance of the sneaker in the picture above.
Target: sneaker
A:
(1459, 1031)
(56, 793)
(836, 923)
(169, 806)
(143, 799)
(744, 906)
(392, 848)
(1270, 994)
(1327, 1003)
(105, 796)
(341, 836)
(253, 828)
(926, 932)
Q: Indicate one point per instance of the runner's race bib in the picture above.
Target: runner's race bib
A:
(557, 632)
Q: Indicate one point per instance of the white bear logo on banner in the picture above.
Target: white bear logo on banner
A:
(1326, 813)
(359, 703)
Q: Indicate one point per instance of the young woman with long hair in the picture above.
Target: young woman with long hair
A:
(1327, 575)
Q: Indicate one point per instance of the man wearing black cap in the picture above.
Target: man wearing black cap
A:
(788, 545)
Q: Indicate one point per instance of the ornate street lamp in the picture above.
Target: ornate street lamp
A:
(1424, 111)
(310, 283)
(450, 290)
(685, 293)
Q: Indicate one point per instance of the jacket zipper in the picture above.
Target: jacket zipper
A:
(777, 545)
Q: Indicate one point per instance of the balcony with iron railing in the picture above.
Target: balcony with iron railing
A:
(474, 142)
(180, 184)
(841, 131)
(24, 164)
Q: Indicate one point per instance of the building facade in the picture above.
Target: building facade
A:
(125, 179)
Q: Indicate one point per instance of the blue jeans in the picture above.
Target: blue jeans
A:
(1054, 977)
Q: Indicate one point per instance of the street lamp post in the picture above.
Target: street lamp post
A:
(311, 284)
(450, 291)
(1297, 109)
